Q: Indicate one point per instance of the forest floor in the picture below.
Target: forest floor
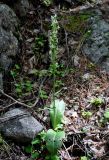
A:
(81, 84)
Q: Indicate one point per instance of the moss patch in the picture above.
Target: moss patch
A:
(75, 23)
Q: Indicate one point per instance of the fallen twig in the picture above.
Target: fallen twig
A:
(18, 102)
(67, 152)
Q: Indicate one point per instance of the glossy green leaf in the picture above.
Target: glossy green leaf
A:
(84, 158)
(57, 112)
(106, 114)
(54, 140)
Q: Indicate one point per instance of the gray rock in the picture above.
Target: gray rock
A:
(96, 47)
(8, 42)
(8, 48)
(22, 7)
(8, 19)
(19, 125)
(1, 81)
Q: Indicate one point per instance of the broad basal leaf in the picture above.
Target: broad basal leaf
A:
(57, 112)
(55, 157)
(84, 158)
(54, 141)
(52, 157)
(106, 114)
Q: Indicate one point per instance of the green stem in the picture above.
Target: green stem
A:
(53, 53)
(54, 81)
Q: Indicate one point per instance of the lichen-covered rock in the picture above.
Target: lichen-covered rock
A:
(9, 46)
(96, 47)
(19, 125)
(8, 19)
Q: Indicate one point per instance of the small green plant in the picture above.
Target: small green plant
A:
(106, 114)
(47, 2)
(19, 88)
(43, 94)
(97, 101)
(28, 86)
(15, 72)
(91, 65)
(39, 44)
(23, 86)
(37, 146)
(86, 114)
(39, 49)
(105, 117)
(84, 158)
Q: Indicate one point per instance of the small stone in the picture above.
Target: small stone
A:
(76, 60)
(86, 77)
(76, 107)
(30, 40)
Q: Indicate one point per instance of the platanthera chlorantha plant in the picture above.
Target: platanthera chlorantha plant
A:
(55, 136)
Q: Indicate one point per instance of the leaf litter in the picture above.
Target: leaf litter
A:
(86, 136)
